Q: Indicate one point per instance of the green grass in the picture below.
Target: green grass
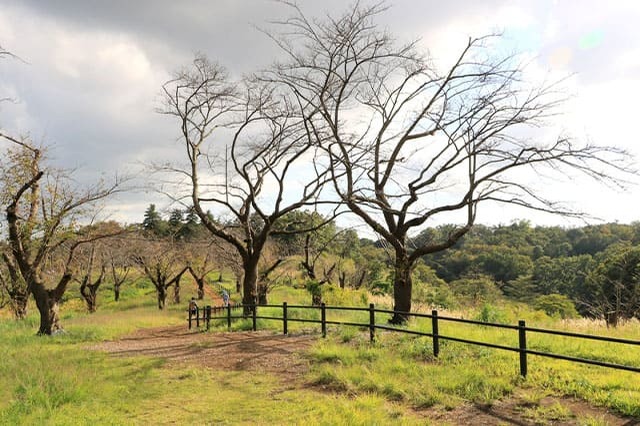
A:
(396, 380)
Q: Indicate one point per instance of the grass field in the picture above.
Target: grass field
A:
(57, 380)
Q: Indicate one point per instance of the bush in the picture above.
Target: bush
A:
(490, 313)
(556, 305)
(336, 296)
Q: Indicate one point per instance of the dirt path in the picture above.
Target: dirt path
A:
(252, 351)
(280, 355)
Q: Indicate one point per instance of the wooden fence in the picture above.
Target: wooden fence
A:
(205, 316)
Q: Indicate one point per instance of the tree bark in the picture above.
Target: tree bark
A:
(162, 296)
(249, 284)
(116, 292)
(176, 292)
(262, 294)
(48, 305)
(402, 285)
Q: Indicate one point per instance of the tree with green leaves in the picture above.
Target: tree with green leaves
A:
(612, 289)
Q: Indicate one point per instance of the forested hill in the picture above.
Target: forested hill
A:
(597, 267)
(592, 271)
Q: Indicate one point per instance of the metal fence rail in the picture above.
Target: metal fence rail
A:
(204, 315)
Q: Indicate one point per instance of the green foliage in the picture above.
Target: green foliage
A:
(612, 289)
(556, 305)
(475, 290)
(314, 288)
(491, 314)
(381, 287)
(336, 296)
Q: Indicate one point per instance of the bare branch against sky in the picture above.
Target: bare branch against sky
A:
(90, 86)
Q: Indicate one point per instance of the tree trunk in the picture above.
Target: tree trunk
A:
(249, 284)
(90, 295)
(19, 305)
(200, 283)
(401, 288)
(262, 294)
(116, 292)
(316, 299)
(176, 292)
(49, 309)
(162, 296)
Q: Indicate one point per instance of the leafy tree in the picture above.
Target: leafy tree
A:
(612, 289)
(153, 222)
(475, 289)
(564, 275)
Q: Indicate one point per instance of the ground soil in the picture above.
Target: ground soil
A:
(282, 356)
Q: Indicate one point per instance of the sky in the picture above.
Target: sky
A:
(89, 79)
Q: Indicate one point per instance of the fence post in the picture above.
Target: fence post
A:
(523, 347)
(434, 331)
(284, 318)
(372, 322)
(189, 310)
(208, 314)
(229, 316)
(254, 314)
(323, 319)
(197, 317)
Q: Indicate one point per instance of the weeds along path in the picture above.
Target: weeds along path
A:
(250, 351)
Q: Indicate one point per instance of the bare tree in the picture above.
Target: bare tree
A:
(265, 143)
(43, 210)
(201, 263)
(119, 261)
(88, 285)
(409, 143)
(162, 264)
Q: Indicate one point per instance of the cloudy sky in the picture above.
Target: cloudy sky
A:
(92, 72)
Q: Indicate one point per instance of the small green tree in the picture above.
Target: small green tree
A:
(556, 305)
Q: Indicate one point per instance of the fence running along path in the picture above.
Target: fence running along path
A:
(204, 316)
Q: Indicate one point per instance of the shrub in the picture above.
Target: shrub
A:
(556, 305)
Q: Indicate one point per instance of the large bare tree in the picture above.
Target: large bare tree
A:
(250, 184)
(43, 211)
(410, 142)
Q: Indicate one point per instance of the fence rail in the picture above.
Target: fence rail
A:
(204, 316)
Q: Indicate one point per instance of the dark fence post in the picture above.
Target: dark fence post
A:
(372, 322)
(523, 347)
(434, 331)
(323, 319)
(208, 314)
(254, 314)
(197, 317)
(189, 310)
(229, 316)
(284, 318)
